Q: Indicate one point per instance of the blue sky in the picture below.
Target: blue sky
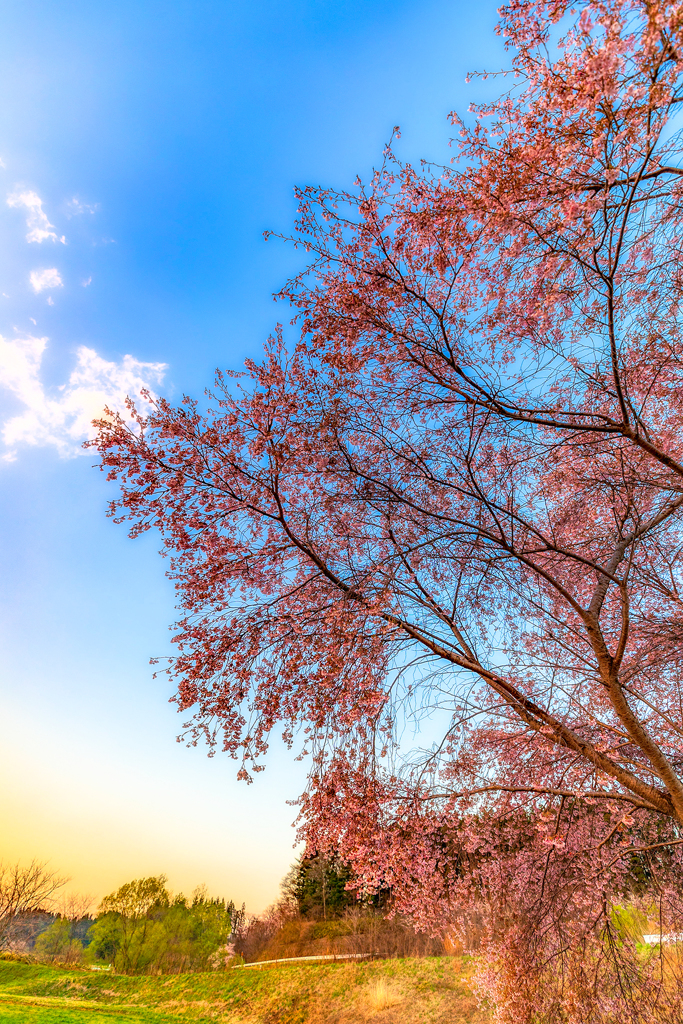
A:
(146, 147)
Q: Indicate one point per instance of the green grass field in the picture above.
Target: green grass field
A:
(424, 991)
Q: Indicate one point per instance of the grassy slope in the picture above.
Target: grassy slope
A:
(426, 991)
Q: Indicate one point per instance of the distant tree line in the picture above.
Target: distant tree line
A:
(322, 888)
(139, 929)
(142, 928)
(322, 912)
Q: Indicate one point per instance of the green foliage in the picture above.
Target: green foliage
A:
(142, 930)
(318, 887)
(57, 942)
(134, 900)
(105, 938)
(629, 922)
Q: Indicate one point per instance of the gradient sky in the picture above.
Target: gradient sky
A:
(145, 147)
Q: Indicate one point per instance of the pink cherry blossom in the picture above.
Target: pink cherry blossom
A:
(450, 512)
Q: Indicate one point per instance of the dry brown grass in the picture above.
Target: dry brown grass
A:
(380, 995)
(357, 932)
(431, 991)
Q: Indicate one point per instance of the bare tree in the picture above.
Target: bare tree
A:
(25, 889)
(74, 905)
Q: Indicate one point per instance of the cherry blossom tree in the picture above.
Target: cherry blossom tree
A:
(450, 513)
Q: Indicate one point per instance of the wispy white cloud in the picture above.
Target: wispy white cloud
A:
(42, 279)
(63, 417)
(40, 229)
(75, 207)
(88, 281)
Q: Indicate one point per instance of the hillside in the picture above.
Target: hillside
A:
(408, 991)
